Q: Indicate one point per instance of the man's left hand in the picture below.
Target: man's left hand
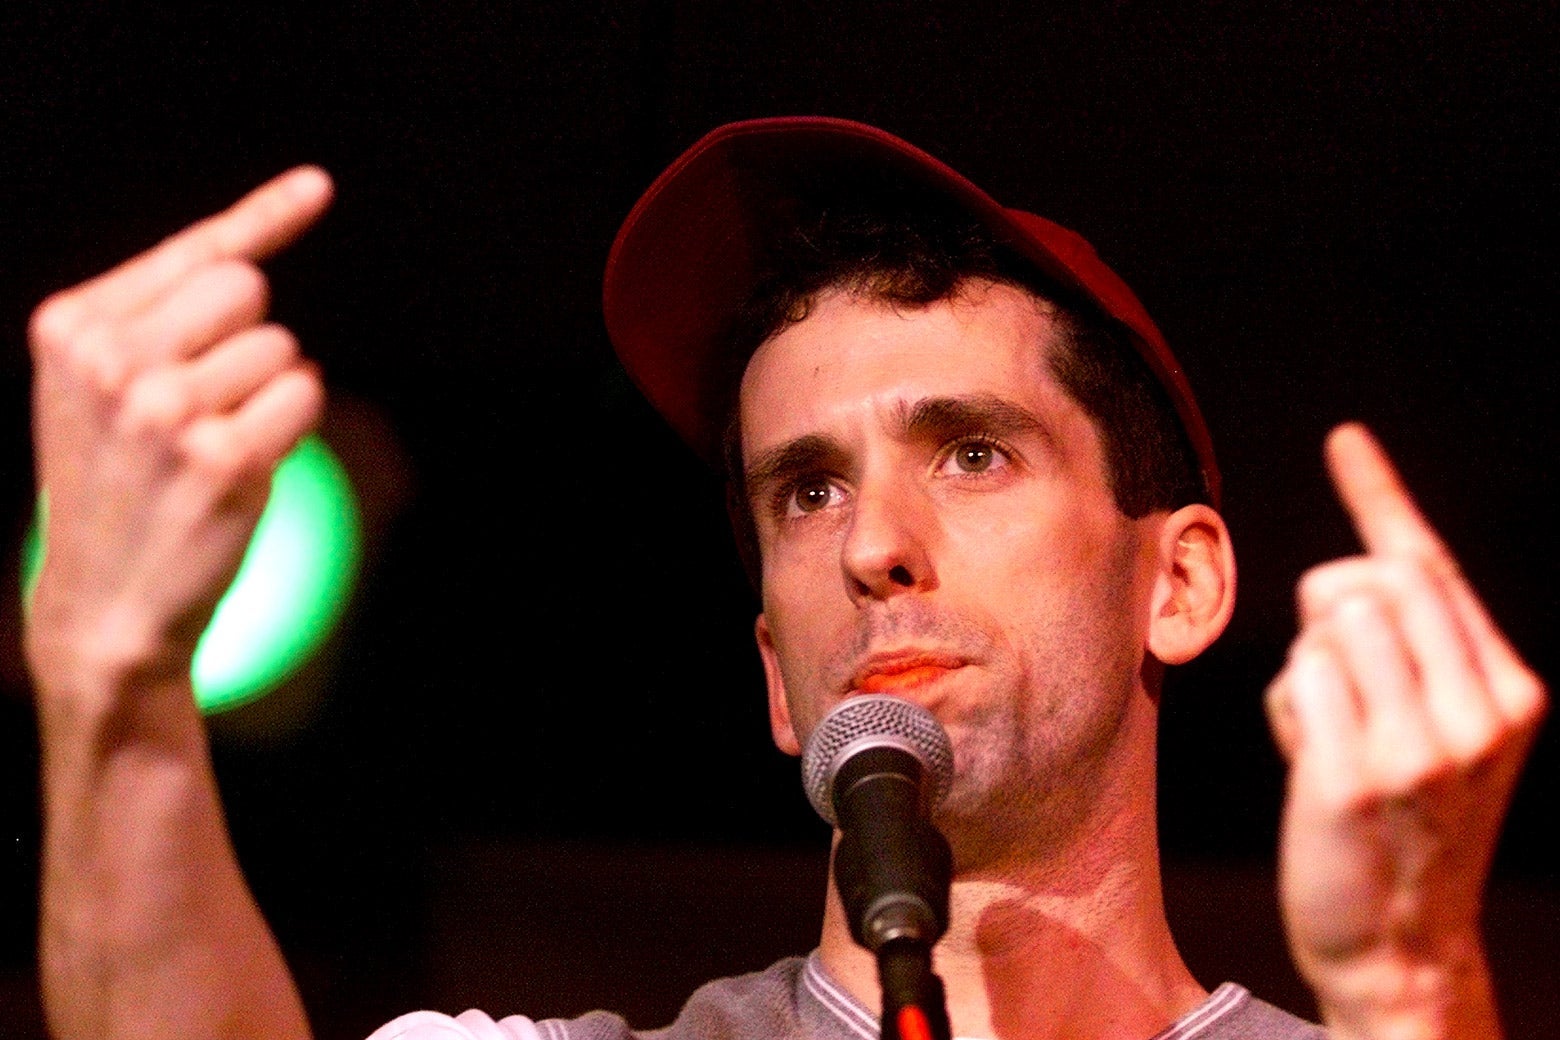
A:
(1405, 716)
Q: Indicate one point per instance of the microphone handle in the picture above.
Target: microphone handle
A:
(892, 867)
(893, 870)
(914, 1004)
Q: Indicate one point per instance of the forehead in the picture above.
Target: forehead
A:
(853, 357)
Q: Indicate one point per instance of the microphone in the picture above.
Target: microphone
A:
(877, 766)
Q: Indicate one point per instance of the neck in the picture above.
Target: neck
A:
(1071, 945)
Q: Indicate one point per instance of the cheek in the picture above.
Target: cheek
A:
(1104, 623)
(800, 603)
(1011, 552)
(1060, 579)
(801, 568)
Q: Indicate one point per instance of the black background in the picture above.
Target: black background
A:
(1333, 211)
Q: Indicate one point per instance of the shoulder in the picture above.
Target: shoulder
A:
(1232, 1013)
(757, 1006)
(761, 1004)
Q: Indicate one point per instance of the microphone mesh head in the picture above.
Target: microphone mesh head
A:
(875, 720)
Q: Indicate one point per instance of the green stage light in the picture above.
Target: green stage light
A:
(290, 591)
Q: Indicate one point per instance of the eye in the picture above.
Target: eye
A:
(811, 495)
(972, 455)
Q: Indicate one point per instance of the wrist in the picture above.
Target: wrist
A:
(74, 647)
(1404, 997)
(108, 681)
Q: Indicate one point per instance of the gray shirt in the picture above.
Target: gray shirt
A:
(794, 999)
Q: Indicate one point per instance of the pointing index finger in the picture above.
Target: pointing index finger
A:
(1384, 514)
(262, 222)
(253, 228)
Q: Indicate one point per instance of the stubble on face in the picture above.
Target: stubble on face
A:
(1040, 767)
(1035, 583)
(1037, 721)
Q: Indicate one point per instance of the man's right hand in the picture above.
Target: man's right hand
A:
(162, 402)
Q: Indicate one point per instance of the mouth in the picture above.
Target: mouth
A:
(897, 673)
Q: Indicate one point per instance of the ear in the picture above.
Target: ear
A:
(1194, 592)
(779, 708)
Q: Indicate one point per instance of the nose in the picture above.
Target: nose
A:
(888, 545)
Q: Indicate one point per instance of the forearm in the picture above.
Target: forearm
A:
(148, 927)
(162, 403)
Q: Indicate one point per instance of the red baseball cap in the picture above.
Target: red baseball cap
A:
(686, 259)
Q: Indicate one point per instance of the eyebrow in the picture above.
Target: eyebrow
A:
(942, 418)
(804, 454)
(931, 418)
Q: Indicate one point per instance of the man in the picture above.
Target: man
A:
(967, 472)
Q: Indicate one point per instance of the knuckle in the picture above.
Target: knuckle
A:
(1525, 693)
(94, 356)
(1309, 590)
(1311, 647)
(246, 282)
(1405, 777)
(1355, 795)
(280, 340)
(216, 452)
(1321, 584)
(1396, 578)
(1275, 698)
(1400, 573)
(311, 393)
(154, 406)
(53, 322)
(1357, 610)
(1414, 578)
(1475, 742)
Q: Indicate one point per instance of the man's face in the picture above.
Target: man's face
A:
(935, 522)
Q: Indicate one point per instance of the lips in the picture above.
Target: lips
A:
(898, 672)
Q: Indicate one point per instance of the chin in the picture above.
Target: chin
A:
(977, 818)
(992, 818)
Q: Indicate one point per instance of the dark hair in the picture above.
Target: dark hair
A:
(916, 258)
